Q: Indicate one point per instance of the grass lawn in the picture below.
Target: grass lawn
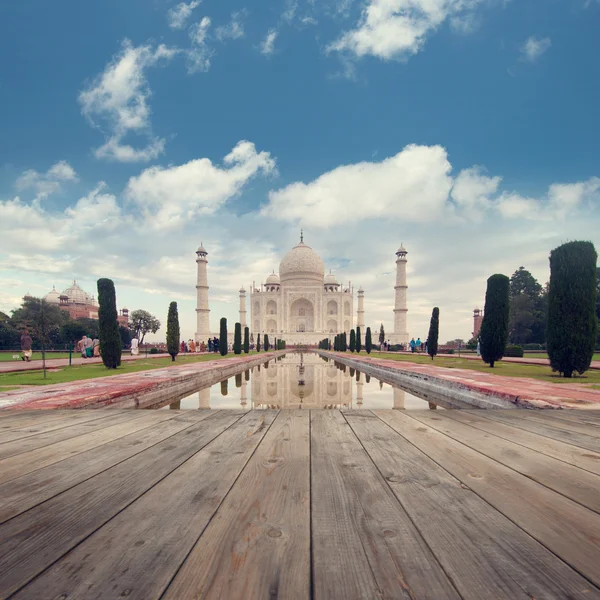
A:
(545, 355)
(78, 372)
(508, 369)
(8, 356)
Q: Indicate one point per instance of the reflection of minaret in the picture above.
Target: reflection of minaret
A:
(399, 397)
(202, 310)
(244, 393)
(359, 393)
(243, 310)
(360, 313)
(204, 398)
(301, 380)
(400, 308)
(175, 405)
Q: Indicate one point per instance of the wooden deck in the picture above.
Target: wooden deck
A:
(299, 504)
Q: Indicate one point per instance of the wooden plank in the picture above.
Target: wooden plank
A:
(58, 435)
(22, 418)
(584, 459)
(42, 425)
(258, 543)
(137, 553)
(34, 540)
(27, 491)
(566, 528)
(549, 417)
(591, 417)
(485, 554)
(579, 485)
(363, 543)
(556, 433)
(21, 464)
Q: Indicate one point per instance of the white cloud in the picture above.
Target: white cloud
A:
(398, 28)
(170, 196)
(117, 101)
(534, 47)
(309, 21)
(473, 191)
(200, 54)
(267, 46)
(412, 185)
(47, 183)
(178, 15)
(233, 30)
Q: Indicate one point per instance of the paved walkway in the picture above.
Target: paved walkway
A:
(300, 505)
(10, 366)
(542, 393)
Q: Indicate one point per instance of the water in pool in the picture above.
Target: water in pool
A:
(301, 380)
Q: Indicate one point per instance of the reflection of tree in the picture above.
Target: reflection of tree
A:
(357, 375)
(247, 375)
(368, 378)
(224, 387)
(238, 380)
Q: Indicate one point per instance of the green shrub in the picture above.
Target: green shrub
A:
(153, 350)
(173, 331)
(514, 351)
(494, 327)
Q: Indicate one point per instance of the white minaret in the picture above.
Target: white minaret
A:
(360, 313)
(243, 310)
(202, 310)
(400, 331)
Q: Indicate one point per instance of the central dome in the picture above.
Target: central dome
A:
(302, 262)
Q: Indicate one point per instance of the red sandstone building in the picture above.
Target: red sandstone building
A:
(80, 305)
(477, 319)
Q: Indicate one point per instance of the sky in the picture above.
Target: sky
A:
(134, 130)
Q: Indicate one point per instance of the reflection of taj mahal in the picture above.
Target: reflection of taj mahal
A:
(301, 304)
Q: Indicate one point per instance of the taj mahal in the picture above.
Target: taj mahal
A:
(301, 304)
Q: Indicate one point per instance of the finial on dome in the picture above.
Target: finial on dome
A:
(301, 236)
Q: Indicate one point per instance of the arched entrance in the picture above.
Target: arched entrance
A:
(302, 315)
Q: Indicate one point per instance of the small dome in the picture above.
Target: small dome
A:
(401, 250)
(77, 295)
(273, 279)
(242, 290)
(52, 297)
(330, 279)
(360, 290)
(201, 249)
(302, 262)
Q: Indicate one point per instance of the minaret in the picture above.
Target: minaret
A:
(400, 309)
(360, 313)
(244, 394)
(243, 310)
(359, 393)
(202, 310)
(477, 320)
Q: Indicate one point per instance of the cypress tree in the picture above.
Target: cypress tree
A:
(237, 339)
(258, 342)
(108, 325)
(368, 341)
(352, 340)
(381, 336)
(223, 337)
(266, 338)
(246, 340)
(494, 328)
(434, 330)
(173, 331)
(344, 342)
(358, 343)
(572, 323)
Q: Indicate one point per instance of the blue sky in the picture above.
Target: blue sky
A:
(134, 129)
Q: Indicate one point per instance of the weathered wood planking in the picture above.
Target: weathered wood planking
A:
(548, 418)
(546, 429)
(485, 554)
(363, 543)
(589, 417)
(41, 440)
(258, 543)
(21, 464)
(36, 428)
(566, 528)
(136, 554)
(579, 485)
(15, 419)
(19, 495)
(32, 541)
(573, 455)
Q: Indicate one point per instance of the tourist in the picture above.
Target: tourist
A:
(192, 346)
(135, 346)
(26, 342)
(210, 345)
(96, 347)
(182, 347)
(89, 347)
(412, 345)
(418, 344)
(81, 346)
(478, 347)
(425, 346)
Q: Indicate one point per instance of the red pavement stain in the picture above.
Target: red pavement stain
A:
(107, 391)
(518, 390)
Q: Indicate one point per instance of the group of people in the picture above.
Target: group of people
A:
(88, 347)
(417, 345)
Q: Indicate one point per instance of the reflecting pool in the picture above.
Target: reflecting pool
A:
(301, 380)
